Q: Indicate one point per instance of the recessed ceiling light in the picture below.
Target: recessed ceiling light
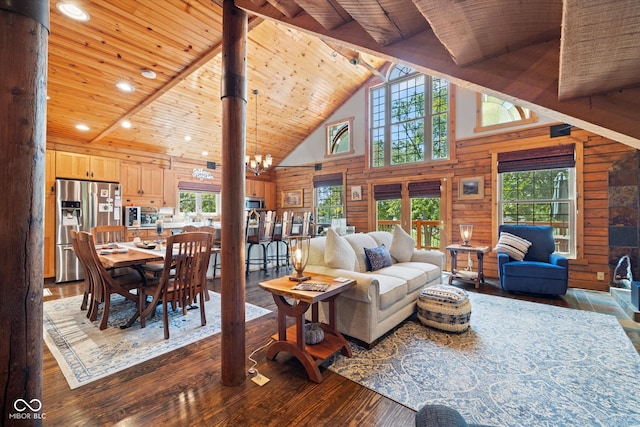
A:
(148, 74)
(82, 127)
(73, 11)
(187, 138)
(126, 124)
(125, 87)
(205, 153)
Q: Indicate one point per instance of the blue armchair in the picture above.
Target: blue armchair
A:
(541, 271)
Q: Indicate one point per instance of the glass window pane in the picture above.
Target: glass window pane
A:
(388, 214)
(544, 197)
(425, 222)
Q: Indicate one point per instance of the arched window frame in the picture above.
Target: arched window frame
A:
(526, 116)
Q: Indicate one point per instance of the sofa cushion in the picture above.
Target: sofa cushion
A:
(415, 278)
(317, 248)
(431, 271)
(338, 253)
(377, 258)
(382, 238)
(402, 245)
(514, 246)
(392, 289)
(358, 242)
(534, 269)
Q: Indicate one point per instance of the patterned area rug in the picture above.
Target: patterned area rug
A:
(520, 363)
(86, 353)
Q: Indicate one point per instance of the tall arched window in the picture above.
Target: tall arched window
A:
(409, 118)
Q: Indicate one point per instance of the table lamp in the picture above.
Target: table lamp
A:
(465, 234)
(299, 249)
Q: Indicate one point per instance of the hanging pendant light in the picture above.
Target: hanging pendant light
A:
(257, 165)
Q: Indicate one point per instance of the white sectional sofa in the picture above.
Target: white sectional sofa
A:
(384, 297)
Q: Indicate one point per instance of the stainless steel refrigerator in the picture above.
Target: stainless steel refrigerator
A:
(81, 205)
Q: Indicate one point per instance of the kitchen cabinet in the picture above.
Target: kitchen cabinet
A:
(170, 189)
(147, 234)
(84, 166)
(49, 214)
(142, 185)
(254, 188)
(264, 190)
(270, 196)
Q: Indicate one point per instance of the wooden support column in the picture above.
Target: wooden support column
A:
(234, 101)
(23, 83)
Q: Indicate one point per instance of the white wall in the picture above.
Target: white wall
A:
(312, 149)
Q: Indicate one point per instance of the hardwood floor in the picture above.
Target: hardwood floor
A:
(183, 388)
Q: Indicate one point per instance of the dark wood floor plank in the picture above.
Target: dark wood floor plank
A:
(184, 388)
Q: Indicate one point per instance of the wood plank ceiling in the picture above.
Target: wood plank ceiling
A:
(574, 61)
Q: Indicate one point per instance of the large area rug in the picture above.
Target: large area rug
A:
(519, 364)
(86, 353)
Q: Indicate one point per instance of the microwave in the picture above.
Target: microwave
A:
(253, 203)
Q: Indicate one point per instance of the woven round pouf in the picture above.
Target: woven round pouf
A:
(444, 307)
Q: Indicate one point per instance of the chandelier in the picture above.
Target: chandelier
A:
(257, 165)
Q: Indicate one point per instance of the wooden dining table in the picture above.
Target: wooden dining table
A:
(136, 257)
(133, 257)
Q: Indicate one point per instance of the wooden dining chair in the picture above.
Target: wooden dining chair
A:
(88, 283)
(103, 234)
(183, 279)
(216, 245)
(189, 229)
(103, 283)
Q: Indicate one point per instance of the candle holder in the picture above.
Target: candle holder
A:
(465, 234)
(299, 249)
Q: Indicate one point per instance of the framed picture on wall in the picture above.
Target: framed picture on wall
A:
(292, 199)
(356, 192)
(471, 188)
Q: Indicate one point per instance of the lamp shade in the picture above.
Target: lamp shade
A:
(465, 234)
(299, 250)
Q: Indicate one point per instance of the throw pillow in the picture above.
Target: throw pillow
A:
(377, 258)
(338, 252)
(402, 245)
(514, 246)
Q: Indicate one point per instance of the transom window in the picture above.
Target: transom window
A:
(495, 113)
(409, 120)
(339, 137)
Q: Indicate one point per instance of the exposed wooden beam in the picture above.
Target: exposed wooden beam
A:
(528, 75)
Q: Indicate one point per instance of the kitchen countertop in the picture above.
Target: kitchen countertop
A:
(172, 225)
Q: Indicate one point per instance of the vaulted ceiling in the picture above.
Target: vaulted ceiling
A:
(576, 61)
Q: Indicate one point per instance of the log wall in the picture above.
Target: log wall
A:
(473, 159)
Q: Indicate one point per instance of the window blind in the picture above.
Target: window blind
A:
(556, 157)
(387, 191)
(327, 180)
(424, 189)
(199, 186)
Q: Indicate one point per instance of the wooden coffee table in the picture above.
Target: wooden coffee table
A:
(291, 340)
